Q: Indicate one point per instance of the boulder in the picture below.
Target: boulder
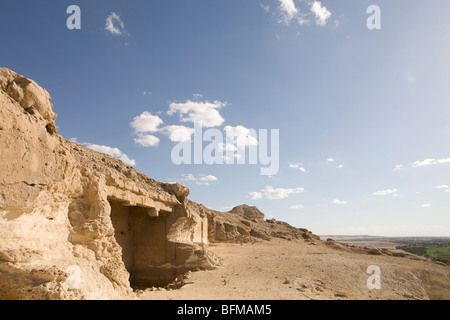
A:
(179, 190)
(248, 212)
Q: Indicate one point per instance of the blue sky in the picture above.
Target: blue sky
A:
(364, 115)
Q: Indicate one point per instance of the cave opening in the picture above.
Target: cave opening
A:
(141, 232)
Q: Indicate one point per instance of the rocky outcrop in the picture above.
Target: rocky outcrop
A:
(179, 190)
(78, 224)
(248, 212)
(247, 224)
(32, 98)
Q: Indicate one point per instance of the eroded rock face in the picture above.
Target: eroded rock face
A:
(179, 190)
(29, 96)
(68, 215)
(248, 212)
(247, 224)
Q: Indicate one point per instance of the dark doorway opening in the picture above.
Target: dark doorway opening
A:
(141, 232)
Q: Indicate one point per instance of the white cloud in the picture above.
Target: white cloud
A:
(146, 122)
(321, 12)
(424, 163)
(272, 193)
(147, 140)
(331, 160)
(447, 190)
(280, 193)
(340, 166)
(198, 111)
(114, 24)
(298, 206)
(288, 10)
(241, 136)
(146, 93)
(238, 138)
(339, 202)
(208, 178)
(430, 162)
(115, 152)
(297, 166)
(222, 147)
(444, 186)
(199, 180)
(256, 195)
(178, 133)
(426, 205)
(384, 192)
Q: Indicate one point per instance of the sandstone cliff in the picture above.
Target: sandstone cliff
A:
(78, 224)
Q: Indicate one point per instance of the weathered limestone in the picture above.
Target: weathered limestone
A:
(245, 224)
(78, 224)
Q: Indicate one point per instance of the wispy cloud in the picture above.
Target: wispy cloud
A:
(272, 193)
(321, 13)
(303, 12)
(339, 202)
(444, 186)
(199, 180)
(423, 163)
(427, 205)
(385, 192)
(114, 25)
(297, 206)
(297, 166)
(288, 10)
(430, 162)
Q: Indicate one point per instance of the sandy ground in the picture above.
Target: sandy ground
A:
(296, 270)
